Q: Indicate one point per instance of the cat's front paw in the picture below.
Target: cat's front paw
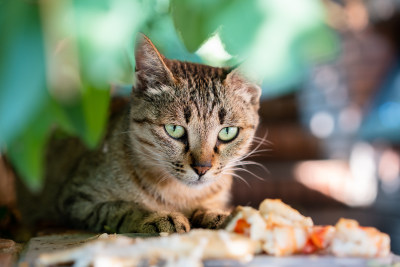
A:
(208, 219)
(169, 222)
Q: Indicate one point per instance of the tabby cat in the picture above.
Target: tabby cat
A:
(165, 163)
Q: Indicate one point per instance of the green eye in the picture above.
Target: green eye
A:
(228, 133)
(175, 131)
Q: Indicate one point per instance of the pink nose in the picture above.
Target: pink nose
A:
(201, 169)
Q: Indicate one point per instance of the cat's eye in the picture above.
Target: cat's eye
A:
(175, 131)
(228, 133)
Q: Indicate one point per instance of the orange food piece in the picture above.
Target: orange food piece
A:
(241, 226)
(318, 239)
(318, 236)
(309, 247)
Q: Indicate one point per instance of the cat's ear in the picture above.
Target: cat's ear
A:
(151, 70)
(249, 90)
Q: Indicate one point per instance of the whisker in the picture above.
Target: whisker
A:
(245, 163)
(236, 168)
(250, 172)
(256, 150)
(236, 176)
(262, 140)
(254, 153)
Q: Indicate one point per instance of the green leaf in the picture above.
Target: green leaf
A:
(95, 107)
(240, 21)
(161, 31)
(87, 116)
(289, 39)
(236, 20)
(28, 112)
(22, 68)
(27, 150)
(191, 19)
(105, 31)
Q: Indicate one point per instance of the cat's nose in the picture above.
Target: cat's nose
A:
(201, 169)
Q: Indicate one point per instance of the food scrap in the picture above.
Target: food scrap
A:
(187, 249)
(282, 230)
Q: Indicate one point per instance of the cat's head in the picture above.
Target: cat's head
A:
(190, 122)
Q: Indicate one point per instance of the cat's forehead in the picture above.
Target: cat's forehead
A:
(197, 75)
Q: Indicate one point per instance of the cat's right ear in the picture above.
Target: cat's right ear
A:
(151, 70)
(250, 91)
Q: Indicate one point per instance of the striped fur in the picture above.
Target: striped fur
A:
(141, 179)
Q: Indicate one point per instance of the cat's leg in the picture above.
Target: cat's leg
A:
(210, 219)
(118, 216)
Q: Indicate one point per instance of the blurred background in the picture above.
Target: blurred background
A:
(330, 73)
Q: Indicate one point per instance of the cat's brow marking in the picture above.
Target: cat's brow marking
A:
(187, 113)
(221, 115)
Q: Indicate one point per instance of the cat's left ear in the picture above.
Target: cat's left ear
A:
(151, 69)
(249, 90)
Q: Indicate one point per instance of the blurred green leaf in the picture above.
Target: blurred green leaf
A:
(191, 19)
(239, 22)
(87, 116)
(160, 29)
(22, 68)
(105, 31)
(24, 120)
(289, 39)
(29, 112)
(27, 150)
(95, 107)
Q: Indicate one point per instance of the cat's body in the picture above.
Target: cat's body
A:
(146, 178)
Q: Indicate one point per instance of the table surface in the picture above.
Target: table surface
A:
(52, 243)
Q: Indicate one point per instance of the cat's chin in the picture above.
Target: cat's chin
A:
(197, 182)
